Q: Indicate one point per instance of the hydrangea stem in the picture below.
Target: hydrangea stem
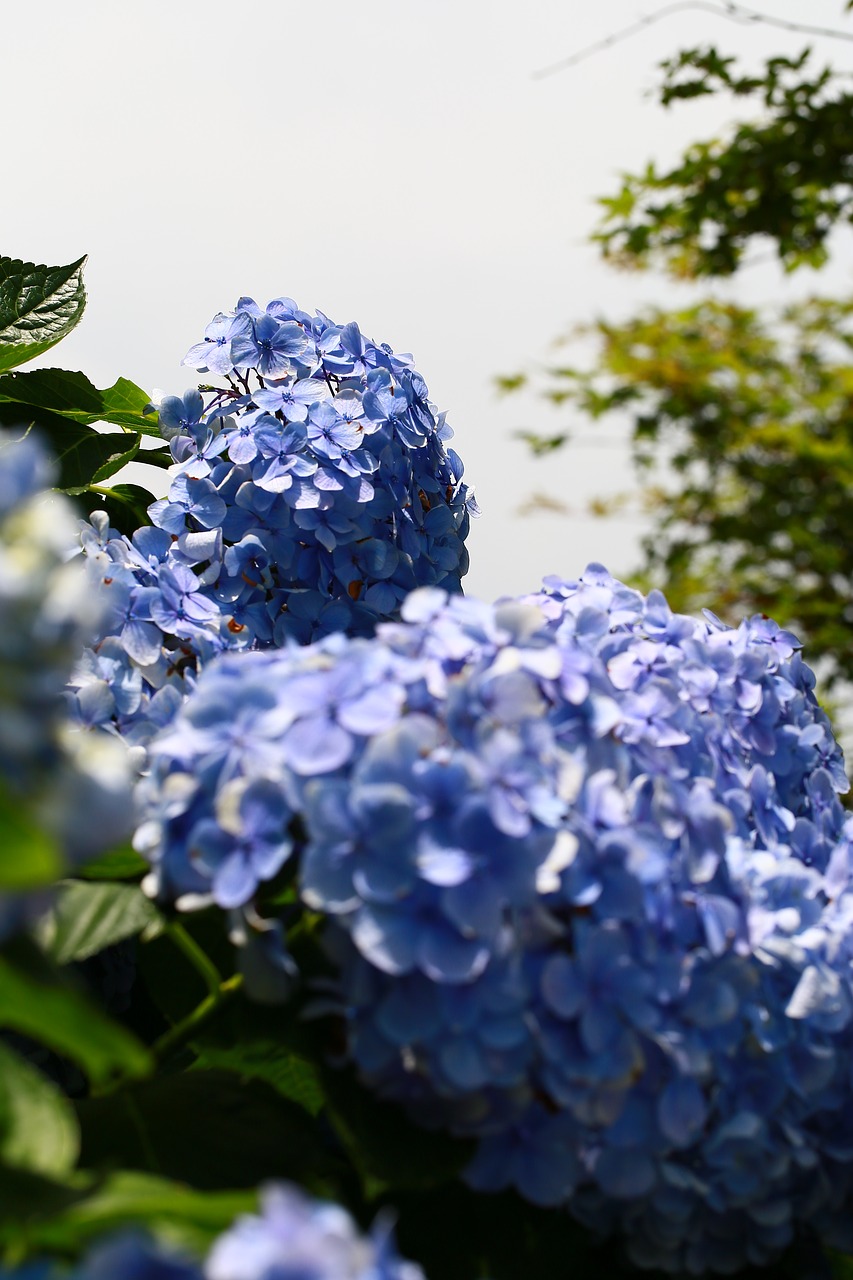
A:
(199, 960)
(182, 1032)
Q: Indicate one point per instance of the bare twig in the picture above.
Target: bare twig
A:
(728, 9)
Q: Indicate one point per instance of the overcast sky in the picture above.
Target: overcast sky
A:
(394, 162)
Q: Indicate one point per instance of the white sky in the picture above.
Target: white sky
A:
(388, 161)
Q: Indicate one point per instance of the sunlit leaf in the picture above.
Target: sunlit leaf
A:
(39, 305)
(38, 1129)
(86, 918)
(39, 1004)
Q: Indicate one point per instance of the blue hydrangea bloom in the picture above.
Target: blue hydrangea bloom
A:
(74, 785)
(588, 881)
(135, 1256)
(296, 1238)
(310, 494)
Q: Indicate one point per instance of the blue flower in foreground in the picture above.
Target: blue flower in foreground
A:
(589, 887)
(73, 785)
(295, 1238)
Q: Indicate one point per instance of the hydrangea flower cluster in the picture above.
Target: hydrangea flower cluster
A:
(73, 785)
(590, 884)
(310, 494)
(292, 1238)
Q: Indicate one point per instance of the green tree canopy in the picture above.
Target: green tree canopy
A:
(786, 176)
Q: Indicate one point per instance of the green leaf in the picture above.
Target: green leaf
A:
(37, 1002)
(86, 918)
(26, 1197)
(291, 1075)
(38, 1128)
(126, 505)
(83, 454)
(39, 305)
(86, 456)
(127, 1199)
(385, 1147)
(29, 858)
(841, 1265)
(209, 1128)
(119, 864)
(72, 396)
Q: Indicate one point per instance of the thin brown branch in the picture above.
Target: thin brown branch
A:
(734, 12)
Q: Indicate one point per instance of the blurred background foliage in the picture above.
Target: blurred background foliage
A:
(738, 417)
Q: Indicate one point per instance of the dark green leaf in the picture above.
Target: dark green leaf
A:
(118, 864)
(29, 857)
(39, 305)
(126, 505)
(87, 457)
(38, 1128)
(82, 453)
(26, 1198)
(209, 1128)
(292, 1076)
(386, 1148)
(72, 396)
(40, 1004)
(86, 918)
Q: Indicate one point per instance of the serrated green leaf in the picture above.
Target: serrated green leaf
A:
(71, 395)
(29, 858)
(85, 918)
(292, 1076)
(37, 1002)
(39, 305)
(38, 1128)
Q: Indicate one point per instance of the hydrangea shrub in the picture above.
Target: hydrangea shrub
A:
(531, 917)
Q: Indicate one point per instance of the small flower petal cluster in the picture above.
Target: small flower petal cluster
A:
(293, 1237)
(310, 494)
(296, 1238)
(590, 886)
(159, 630)
(71, 784)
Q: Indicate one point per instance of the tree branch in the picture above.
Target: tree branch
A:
(728, 9)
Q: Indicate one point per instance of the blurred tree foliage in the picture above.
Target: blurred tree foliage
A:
(787, 175)
(755, 420)
(751, 411)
